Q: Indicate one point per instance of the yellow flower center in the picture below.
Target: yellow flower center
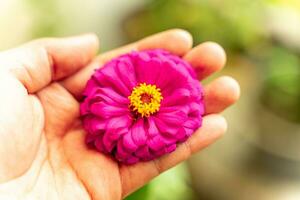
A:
(145, 99)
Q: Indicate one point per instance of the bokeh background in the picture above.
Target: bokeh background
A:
(259, 158)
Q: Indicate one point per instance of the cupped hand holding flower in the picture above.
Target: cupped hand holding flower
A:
(42, 150)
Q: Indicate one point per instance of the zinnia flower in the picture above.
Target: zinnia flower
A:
(141, 105)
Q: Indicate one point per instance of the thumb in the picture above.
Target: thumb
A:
(39, 62)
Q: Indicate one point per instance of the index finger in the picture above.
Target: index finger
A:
(177, 41)
(38, 63)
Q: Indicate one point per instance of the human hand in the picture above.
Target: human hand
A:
(42, 149)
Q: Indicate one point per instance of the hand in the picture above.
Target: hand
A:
(42, 150)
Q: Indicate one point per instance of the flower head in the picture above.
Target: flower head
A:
(140, 105)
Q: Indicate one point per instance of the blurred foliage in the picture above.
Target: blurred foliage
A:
(235, 24)
(47, 19)
(142, 193)
(173, 184)
(287, 3)
(281, 92)
(240, 26)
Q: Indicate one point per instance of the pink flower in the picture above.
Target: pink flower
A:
(140, 105)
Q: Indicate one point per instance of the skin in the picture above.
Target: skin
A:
(42, 150)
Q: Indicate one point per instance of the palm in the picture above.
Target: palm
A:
(42, 141)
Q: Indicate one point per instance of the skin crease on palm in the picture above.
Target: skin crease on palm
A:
(42, 150)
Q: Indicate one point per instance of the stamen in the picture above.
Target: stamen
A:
(145, 99)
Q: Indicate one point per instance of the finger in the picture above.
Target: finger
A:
(137, 175)
(220, 94)
(89, 164)
(60, 109)
(37, 63)
(176, 41)
(206, 58)
(69, 54)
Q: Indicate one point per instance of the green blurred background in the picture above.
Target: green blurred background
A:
(259, 158)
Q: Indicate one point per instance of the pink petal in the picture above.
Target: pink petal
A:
(108, 77)
(160, 152)
(165, 109)
(192, 123)
(94, 125)
(148, 71)
(138, 133)
(126, 72)
(189, 132)
(181, 135)
(116, 134)
(183, 66)
(156, 143)
(84, 108)
(196, 109)
(179, 96)
(119, 122)
(131, 160)
(104, 110)
(90, 138)
(111, 97)
(108, 142)
(128, 143)
(169, 139)
(170, 148)
(173, 118)
(99, 145)
(152, 129)
(169, 130)
(122, 154)
(169, 74)
(143, 152)
(91, 84)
